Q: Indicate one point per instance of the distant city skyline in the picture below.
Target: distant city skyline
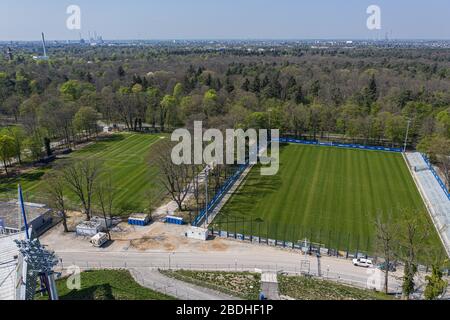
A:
(225, 19)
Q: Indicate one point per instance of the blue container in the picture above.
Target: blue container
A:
(138, 220)
(174, 220)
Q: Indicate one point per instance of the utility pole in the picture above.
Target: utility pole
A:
(170, 253)
(270, 116)
(270, 124)
(406, 137)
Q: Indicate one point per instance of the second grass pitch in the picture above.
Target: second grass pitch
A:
(123, 156)
(328, 195)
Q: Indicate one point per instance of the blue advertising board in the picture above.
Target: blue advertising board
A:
(339, 145)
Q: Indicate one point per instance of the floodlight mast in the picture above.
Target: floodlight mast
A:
(207, 169)
(22, 209)
(406, 136)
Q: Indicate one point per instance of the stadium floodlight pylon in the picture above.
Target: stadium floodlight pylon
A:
(40, 263)
(207, 170)
(406, 135)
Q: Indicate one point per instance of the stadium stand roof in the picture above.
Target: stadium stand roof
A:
(9, 213)
(8, 264)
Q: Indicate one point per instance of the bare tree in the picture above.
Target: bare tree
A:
(386, 243)
(81, 177)
(175, 178)
(55, 191)
(105, 197)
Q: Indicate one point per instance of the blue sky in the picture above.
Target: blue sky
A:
(225, 19)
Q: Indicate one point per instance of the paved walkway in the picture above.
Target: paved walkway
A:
(435, 199)
(155, 280)
(269, 285)
(227, 196)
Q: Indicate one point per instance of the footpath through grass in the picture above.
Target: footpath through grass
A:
(123, 156)
(328, 195)
(306, 288)
(107, 285)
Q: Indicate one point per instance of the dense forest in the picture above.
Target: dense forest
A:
(366, 95)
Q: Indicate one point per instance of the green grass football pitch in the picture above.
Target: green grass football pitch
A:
(329, 195)
(123, 157)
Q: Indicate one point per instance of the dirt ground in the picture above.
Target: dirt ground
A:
(156, 236)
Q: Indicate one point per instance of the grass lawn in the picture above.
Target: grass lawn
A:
(245, 285)
(107, 285)
(303, 288)
(124, 156)
(328, 195)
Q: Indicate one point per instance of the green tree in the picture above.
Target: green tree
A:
(435, 284)
(257, 120)
(256, 85)
(396, 129)
(372, 89)
(210, 103)
(12, 106)
(18, 134)
(443, 122)
(7, 150)
(34, 144)
(137, 88)
(120, 71)
(386, 243)
(153, 105)
(246, 85)
(315, 89)
(85, 120)
(170, 112)
(411, 236)
(408, 284)
(438, 149)
(178, 92)
(73, 89)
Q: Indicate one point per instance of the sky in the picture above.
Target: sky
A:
(225, 19)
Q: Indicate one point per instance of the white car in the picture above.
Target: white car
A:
(360, 262)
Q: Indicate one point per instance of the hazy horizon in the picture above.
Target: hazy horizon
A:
(225, 20)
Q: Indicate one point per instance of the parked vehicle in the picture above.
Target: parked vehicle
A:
(99, 239)
(382, 266)
(364, 263)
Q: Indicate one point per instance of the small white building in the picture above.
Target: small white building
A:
(89, 228)
(197, 233)
(104, 223)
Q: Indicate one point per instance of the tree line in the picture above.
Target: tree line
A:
(369, 96)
